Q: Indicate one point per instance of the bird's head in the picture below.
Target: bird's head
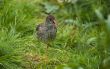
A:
(50, 19)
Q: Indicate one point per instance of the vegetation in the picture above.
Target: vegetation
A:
(82, 40)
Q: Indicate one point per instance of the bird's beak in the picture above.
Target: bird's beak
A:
(54, 21)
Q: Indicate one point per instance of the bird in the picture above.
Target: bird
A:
(46, 32)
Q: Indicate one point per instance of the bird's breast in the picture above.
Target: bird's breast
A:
(46, 32)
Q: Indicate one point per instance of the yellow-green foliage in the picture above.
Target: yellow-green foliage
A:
(82, 40)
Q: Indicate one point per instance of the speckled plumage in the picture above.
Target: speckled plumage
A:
(46, 31)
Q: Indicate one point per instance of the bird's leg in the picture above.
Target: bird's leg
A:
(46, 52)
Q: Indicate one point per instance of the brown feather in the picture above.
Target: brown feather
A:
(47, 31)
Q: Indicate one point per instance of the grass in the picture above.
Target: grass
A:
(81, 42)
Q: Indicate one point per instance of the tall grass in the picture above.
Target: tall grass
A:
(81, 36)
(15, 20)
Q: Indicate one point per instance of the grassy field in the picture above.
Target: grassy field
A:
(82, 40)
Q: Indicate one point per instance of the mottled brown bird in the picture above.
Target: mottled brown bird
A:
(46, 32)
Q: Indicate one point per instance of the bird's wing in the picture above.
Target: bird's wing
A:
(41, 28)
